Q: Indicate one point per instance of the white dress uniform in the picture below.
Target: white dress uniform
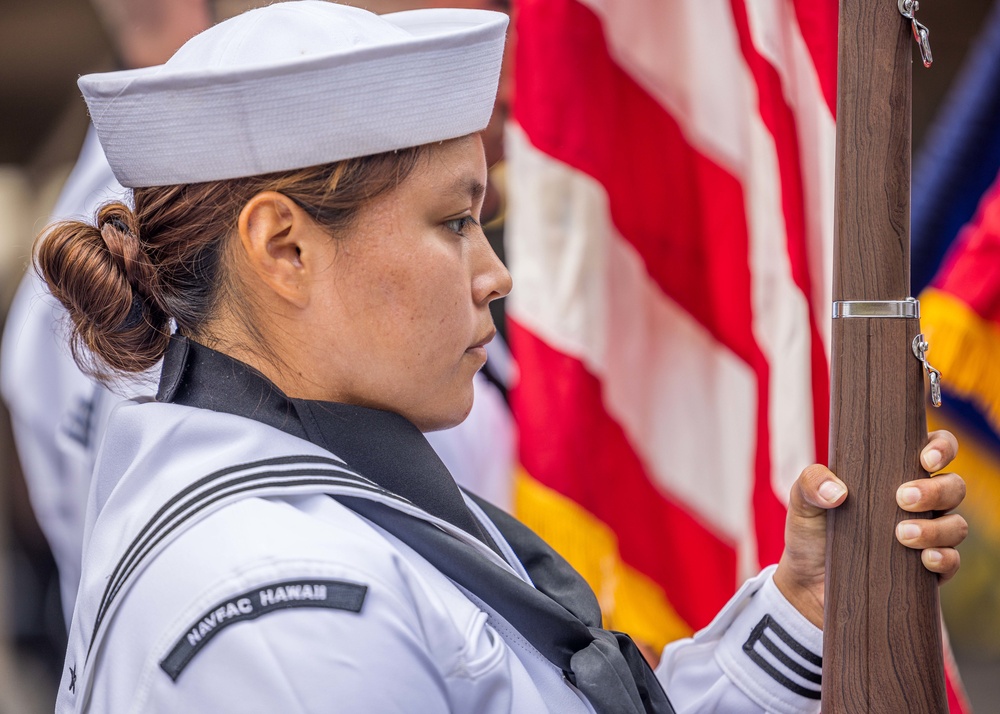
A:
(58, 413)
(219, 575)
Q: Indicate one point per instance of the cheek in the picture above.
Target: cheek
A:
(437, 315)
(424, 305)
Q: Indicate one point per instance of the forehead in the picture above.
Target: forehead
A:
(448, 177)
(454, 168)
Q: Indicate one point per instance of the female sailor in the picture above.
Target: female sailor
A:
(273, 532)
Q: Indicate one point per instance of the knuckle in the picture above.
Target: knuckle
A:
(938, 560)
(963, 528)
(806, 491)
(945, 442)
(948, 530)
(935, 490)
(930, 532)
(949, 565)
(812, 475)
(949, 561)
(953, 442)
(961, 488)
(949, 491)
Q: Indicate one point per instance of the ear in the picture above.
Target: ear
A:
(275, 233)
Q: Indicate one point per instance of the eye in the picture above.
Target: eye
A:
(461, 225)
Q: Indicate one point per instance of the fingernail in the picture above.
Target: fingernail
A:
(908, 531)
(932, 460)
(934, 556)
(831, 491)
(910, 495)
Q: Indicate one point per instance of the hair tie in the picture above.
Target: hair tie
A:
(118, 224)
(134, 315)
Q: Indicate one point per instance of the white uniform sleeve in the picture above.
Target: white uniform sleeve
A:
(380, 656)
(758, 655)
(284, 662)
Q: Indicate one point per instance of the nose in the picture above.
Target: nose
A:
(491, 280)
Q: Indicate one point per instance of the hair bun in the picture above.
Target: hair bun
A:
(104, 279)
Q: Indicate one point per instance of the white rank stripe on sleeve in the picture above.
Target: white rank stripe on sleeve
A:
(784, 659)
(770, 651)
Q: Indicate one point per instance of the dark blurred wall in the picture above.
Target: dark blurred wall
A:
(45, 45)
(953, 25)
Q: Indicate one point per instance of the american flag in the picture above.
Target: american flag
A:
(670, 230)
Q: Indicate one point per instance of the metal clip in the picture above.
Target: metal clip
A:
(908, 9)
(876, 308)
(920, 349)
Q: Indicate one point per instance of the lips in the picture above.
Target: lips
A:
(489, 336)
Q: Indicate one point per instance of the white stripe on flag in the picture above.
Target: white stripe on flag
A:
(777, 36)
(673, 388)
(686, 55)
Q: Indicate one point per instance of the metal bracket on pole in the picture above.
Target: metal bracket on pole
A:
(896, 309)
(877, 308)
(920, 349)
(908, 9)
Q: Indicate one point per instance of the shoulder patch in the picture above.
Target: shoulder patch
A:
(330, 594)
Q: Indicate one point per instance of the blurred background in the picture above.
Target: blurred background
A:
(45, 46)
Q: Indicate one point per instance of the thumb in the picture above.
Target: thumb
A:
(816, 491)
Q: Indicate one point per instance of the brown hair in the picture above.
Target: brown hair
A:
(124, 279)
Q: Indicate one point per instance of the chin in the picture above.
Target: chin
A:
(446, 418)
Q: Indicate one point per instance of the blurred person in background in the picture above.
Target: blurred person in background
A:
(58, 413)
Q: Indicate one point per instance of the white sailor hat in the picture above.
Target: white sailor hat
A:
(298, 84)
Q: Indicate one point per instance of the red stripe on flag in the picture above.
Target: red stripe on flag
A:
(971, 270)
(569, 443)
(818, 24)
(682, 212)
(957, 700)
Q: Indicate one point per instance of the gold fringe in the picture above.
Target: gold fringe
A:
(630, 601)
(966, 348)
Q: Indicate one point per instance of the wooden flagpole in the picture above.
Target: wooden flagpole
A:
(882, 636)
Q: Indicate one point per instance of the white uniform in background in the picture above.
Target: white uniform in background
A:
(58, 413)
(480, 452)
(284, 600)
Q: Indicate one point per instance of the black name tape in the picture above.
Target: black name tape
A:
(330, 594)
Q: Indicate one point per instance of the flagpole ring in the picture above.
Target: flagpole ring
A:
(908, 308)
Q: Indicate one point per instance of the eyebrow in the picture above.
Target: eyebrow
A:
(470, 187)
